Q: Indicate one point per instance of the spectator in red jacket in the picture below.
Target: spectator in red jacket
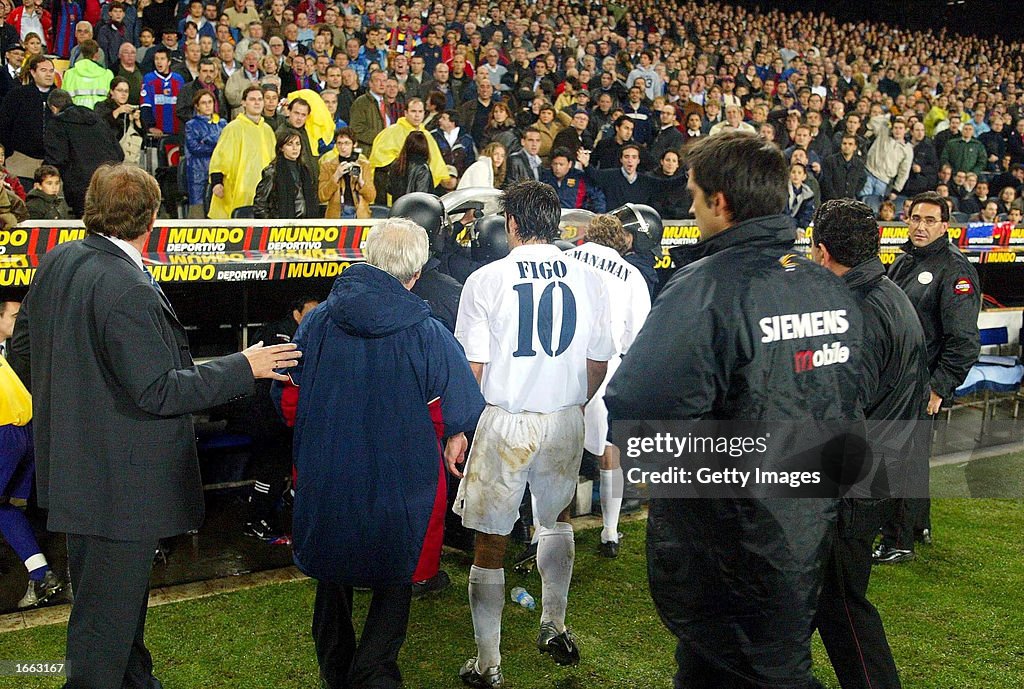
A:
(32, 18)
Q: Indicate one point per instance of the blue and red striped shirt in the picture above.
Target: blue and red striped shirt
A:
(68, 14)
(159, 96)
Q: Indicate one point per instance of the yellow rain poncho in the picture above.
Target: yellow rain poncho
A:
(15, 402)
(319, 124)
(389, 142)
(243, 150)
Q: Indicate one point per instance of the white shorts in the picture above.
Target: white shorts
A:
(511, 450)
(595, 415)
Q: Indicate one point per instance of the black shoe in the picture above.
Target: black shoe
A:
(161, 554)
(436, 583)
(260, 529)
(491, 678)
(527, 559)
(561, 647)
(886, 555)
(609, 549)
(924, 536)
(41, 591)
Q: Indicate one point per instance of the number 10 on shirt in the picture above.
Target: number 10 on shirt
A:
(542, 319)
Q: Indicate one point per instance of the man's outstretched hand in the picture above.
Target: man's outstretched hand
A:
(264, 360)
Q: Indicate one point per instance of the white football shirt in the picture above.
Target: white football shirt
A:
(628, 295)
(534, 318)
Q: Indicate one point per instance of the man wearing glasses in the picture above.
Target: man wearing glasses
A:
(944, 288)
(494, 70)
(667, 137)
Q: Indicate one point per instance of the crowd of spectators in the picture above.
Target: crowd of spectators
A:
(598, 100)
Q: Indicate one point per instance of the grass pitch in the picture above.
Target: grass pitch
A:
(955, 618)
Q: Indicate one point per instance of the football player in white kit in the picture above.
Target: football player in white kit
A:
(630, 302)
(536, 328)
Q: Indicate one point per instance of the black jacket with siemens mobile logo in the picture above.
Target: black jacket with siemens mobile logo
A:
(746, 330)
(943, 286)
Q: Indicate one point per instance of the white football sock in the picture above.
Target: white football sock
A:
(486, 599)
(555, 555)
(611, 503)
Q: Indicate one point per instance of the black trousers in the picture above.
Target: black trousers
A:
(373, 661)
(110, 580)
(910, 518)
(697, 672)
(849, 624)
(272, 452)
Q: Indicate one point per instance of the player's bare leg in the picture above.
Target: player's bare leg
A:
(556, 552)
(611, 500)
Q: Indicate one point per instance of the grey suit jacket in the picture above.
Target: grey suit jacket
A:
(114, 388)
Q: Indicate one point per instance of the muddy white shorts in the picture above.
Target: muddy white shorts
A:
(511, 450)
(595, 416)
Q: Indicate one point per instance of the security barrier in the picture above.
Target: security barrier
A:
(189, 251)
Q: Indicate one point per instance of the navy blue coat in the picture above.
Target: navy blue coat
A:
(201, 136)
(366, 450)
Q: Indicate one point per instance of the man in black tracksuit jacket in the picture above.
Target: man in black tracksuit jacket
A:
(272, 439)
(944, 289)
(737, 579)
(894, 394)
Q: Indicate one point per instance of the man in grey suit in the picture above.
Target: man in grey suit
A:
(114, 389)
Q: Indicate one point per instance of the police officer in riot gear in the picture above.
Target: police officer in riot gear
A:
(736, 580)
(644, 229)
(944, 289)
(440, 291)
(490, 239)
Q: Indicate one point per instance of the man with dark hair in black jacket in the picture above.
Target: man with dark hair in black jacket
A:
(609, 149)
(525, 164)
(737, 579)
(894, 391)
(943, 286)
(667, 136)
(996, 141)
(77, 143)
(946, 135)
(626, 184)
(843, 173)
(924, 172)
(24, 117)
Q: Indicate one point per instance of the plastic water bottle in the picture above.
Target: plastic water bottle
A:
(523, 598)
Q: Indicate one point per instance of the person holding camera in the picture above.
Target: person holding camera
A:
(345, 184)
(124, 118)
